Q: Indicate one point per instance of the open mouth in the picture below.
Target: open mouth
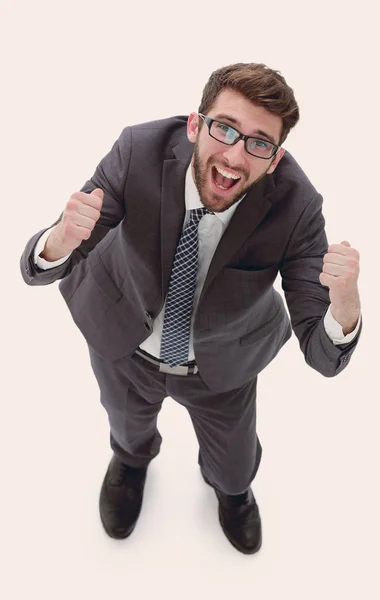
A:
(222, 180)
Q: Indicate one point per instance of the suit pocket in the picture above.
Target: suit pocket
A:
(253, 279)
(251, 275)
(95, 293)
(104, 281)
(242, 287)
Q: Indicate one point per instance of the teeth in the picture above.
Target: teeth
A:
(225, 174)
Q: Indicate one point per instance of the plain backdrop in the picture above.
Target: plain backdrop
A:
(74, 74)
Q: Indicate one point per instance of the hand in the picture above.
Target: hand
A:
(78, 221)
(340, 274)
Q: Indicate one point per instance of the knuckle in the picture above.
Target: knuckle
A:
(68, 217)
(76, 197)
(352, 261)
(72, 204)
(354, 253)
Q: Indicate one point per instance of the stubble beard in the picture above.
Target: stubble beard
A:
(210, 200)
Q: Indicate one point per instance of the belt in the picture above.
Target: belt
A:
(189, 368)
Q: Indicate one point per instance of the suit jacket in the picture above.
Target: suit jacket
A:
(115, 283)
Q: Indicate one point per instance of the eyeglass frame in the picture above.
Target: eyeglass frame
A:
(209, 121)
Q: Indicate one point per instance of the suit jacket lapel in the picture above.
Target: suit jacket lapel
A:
(173, 206)
(245, 219)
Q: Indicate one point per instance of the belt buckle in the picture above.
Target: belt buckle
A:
(179, 370)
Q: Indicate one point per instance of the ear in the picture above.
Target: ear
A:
(277, 159)
(192, 127)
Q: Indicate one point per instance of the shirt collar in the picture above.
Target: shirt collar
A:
(192, 199)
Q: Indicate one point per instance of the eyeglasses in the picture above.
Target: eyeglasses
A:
(230, 136)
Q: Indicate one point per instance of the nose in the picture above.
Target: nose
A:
(236, 154)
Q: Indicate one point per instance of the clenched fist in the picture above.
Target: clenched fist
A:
(340, 274)
(78, 221)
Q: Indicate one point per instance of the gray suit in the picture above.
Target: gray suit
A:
(116, 282)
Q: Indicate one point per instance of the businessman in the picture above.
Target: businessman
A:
(167, 258)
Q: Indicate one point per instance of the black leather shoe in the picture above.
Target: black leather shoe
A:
(121, 498)
(240, 519)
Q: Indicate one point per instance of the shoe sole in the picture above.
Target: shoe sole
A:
(112, 535)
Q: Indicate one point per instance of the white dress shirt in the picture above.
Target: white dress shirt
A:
(210, 230)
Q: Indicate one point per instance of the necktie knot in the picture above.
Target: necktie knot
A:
(197, 213)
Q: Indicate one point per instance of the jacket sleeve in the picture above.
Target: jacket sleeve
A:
(307, 299)
(110, 175)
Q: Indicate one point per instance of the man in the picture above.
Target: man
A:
(167, 258)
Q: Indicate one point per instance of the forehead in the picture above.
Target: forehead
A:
(247, 117)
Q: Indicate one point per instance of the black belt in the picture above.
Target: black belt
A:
(188, 368)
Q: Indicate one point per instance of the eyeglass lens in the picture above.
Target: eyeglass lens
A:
(227, 135)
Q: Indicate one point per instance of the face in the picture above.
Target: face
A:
(210, 154)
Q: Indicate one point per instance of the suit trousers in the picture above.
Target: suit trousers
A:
(132, 391)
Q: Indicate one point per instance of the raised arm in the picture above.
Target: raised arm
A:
(87, 217)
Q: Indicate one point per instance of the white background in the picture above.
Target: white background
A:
(74, 75)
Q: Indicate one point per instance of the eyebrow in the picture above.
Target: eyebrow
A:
(236, 122)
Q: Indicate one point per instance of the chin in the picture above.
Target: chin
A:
(216, 204)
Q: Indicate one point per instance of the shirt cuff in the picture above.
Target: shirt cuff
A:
(335, 331)
(41, 262)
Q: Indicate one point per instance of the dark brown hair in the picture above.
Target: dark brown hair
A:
(259, 84)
